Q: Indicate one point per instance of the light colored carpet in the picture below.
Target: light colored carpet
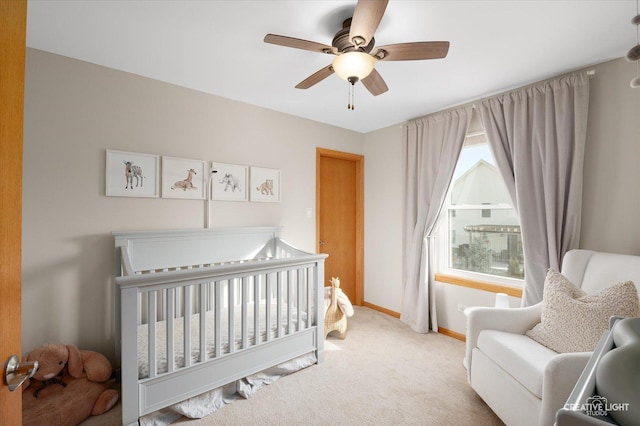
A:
(383, 373)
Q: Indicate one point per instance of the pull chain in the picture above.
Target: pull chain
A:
(351, 97)
(351, 102)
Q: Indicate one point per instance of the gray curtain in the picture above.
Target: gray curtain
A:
(431, 148)
(537, 136)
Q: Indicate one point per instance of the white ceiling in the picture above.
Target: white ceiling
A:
(217, 47)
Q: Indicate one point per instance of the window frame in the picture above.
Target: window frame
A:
(443, 243)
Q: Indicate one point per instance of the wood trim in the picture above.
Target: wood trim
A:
(479, 285)
(452, 333)
(13, 24)
(381, 309)
(441, 330)
(359, 230)
(323, 152)
(359, 160)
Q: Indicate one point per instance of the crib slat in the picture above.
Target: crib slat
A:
(245, 313)
(256, 309)
(268, 308)
(170, 329)
(289, 304)
(232, 326)
(143, 312)
(279, 304)
(210, 296)
(300, 296)
(162, 298)
(203, 322)
(218, 318)
(181, 304)
(186, 308)
(309, 288)
(153, 368)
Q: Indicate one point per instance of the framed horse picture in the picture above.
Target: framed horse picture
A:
(131, 174)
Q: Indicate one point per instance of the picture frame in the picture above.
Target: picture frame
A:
(184, 178)
(229, 182)
(132, 174)
(265, 185)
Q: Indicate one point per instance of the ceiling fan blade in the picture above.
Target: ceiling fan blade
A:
(412, 51)
(299, 43)
(315, 78)
(365, 21)
(374, 83)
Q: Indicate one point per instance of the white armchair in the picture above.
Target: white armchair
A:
(524, 382)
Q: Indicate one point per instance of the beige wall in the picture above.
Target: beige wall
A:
(383, 201)
(611, 199)
(73, 112)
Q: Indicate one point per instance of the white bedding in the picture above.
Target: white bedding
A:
(211, 401)
(178, 324)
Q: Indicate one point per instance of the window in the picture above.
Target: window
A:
(486, 212)
(479, 229)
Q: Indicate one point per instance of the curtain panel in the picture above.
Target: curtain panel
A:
(431, 147)
(538, 136)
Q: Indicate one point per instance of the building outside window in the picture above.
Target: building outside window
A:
(482, 228)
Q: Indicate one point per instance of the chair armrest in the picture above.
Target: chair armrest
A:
(513, 320)
(560, 377)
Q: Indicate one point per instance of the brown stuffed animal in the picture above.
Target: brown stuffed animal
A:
(68, 386)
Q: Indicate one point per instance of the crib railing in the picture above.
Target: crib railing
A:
(204, 319)
(192, 323)
(223, 310)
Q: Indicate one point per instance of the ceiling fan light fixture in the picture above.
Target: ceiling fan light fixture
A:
(353, 64)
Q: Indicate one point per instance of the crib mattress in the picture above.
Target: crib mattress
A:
(210, 349)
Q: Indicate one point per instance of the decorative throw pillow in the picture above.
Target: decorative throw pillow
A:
(572, 320)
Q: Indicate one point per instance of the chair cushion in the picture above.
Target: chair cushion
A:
(520, 356)
(572, 320)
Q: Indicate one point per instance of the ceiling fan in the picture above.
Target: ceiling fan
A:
(355, 51)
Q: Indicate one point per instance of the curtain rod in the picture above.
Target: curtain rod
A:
(590, 73)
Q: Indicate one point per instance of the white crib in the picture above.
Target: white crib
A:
(197, 309)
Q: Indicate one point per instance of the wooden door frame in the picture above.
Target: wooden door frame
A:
(13, 21)
(359, 163)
